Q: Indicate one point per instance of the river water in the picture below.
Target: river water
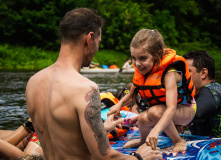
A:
(12, 93)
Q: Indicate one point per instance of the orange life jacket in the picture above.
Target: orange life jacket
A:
(113, 135)
(151, 87)
(110, 97)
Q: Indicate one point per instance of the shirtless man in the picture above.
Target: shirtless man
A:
(64, 106)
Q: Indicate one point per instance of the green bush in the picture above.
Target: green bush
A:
(213, 50)
(33, 58)
(17, 57)
(110, 57)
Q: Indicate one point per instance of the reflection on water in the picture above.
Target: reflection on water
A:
(12, 93)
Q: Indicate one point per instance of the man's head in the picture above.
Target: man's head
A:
(201, 66)
(79, 22)
(82, 27)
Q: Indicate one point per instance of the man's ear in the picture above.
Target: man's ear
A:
(90, 37)
(204, 73)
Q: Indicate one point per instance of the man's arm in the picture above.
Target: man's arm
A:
(94, 132)
(92, 116)
(92, 125)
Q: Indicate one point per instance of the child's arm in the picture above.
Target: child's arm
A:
(125, 101)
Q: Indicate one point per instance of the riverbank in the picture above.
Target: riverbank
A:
(33, 58)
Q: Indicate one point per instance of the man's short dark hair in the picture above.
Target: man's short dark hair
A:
(79, 22)
(201, 59)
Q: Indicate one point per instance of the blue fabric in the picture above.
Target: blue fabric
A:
(104, 113)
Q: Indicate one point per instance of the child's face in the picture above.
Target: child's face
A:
(142, 60)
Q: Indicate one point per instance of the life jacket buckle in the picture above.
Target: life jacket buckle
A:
(142, 103)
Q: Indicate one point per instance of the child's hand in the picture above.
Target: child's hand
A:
(133, 120)
(112, 122)
(152, 140)
(115, 110)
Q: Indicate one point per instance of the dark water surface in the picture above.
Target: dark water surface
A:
(12, 93)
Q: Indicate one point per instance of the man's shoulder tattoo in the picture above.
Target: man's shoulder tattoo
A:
(93, 117)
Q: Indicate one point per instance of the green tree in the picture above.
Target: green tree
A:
(33, 22)
(165, 23)
(122, 20)
(208, 22)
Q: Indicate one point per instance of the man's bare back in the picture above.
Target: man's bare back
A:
(50, 96)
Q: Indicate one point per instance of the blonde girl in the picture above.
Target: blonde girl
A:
(163, 83)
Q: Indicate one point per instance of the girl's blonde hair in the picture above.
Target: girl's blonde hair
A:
(151, 41)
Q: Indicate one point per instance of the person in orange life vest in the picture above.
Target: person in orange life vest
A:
(163, 81)
(109, 99)
(122, 92)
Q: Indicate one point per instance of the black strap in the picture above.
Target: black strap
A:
(137, 155)
(142, 104)
(114, 134)
(28, 126)
(148, 87)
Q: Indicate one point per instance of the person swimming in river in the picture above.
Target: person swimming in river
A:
(163, 81)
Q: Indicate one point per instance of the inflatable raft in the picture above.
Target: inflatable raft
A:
(199, 147)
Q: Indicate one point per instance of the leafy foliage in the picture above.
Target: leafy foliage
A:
(33, 58)
(122, 21)
(17, 57)
(35, 22)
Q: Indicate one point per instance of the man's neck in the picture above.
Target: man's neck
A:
(71, 57)
(205, 82)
